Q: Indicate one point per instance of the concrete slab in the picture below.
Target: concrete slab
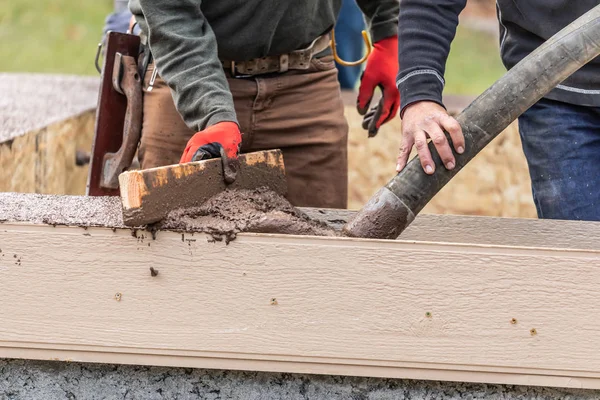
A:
(84, 211)
(59, 380)
(34, 101)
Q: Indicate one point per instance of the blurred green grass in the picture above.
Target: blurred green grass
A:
(60, 36)
(474, 62)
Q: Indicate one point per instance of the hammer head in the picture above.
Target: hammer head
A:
(149, 195)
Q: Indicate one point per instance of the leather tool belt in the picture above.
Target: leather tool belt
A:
(298, 59)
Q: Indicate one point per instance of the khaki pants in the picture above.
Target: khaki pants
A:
(299, 112)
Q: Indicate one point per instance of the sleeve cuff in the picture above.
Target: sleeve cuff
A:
(419, 85)
(214, 119)
(383, 30)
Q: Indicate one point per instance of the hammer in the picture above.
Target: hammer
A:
(394, 207)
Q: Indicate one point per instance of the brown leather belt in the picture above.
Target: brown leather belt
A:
(298, 59)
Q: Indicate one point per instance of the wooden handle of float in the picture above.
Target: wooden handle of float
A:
(395, 205)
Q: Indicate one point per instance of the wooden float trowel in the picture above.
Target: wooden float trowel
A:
(149, 195)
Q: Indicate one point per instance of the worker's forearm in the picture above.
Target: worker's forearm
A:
(185, 51)
(425, 32)
(382, 17)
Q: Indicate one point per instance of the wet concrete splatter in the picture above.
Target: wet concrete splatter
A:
(233, 211)
(224, 215)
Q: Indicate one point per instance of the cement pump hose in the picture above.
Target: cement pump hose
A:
(395, 206)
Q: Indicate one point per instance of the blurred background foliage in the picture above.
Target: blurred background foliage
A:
(60, 36)
(57, 36)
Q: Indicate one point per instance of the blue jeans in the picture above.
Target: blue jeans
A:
(349, 42)
(562, 144)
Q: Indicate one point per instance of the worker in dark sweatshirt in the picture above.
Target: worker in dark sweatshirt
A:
(560, 134)
(263, 68)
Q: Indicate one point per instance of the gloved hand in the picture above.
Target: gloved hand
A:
(381, 71)
(220, 140)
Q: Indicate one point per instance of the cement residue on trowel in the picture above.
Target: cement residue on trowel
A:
(241, 210)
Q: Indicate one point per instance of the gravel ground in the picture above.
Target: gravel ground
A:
(55, 380)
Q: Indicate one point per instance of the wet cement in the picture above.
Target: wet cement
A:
(107, 212)
(384, 216)
(233, 211)
(223, 216)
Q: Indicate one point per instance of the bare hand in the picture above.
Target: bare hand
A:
(426, 119)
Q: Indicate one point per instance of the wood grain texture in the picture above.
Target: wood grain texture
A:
(302, 304)
(519, 232)
(43, 160)
(149, 195)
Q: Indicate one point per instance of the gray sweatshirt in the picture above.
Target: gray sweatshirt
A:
(188, 37)
(427, 28)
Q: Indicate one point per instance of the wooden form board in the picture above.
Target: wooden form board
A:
(45, 160)
(45, 119)
(401, 309)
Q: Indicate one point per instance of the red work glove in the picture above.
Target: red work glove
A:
(220, 140)
(381, 71)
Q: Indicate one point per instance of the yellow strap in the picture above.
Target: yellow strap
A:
(351, 63)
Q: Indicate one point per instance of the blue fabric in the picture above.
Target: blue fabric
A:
(562, 145)
(349, 42)
(117, 22)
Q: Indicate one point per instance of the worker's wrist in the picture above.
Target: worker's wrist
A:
(420, 84)
(381, 32)
(387, 41)
(224, 116)
(421, 102)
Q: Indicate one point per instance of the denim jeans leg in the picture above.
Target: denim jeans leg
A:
(562, 144)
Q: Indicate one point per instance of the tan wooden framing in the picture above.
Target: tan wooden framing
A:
(478, 312)
(43, 160)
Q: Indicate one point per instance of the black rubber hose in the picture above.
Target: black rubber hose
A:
(395, 205)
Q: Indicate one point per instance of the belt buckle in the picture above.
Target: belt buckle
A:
(234, 73)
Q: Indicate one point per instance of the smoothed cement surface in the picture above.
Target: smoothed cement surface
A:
(24, 379)
(61, 210)
(226, 213)
(34, 101)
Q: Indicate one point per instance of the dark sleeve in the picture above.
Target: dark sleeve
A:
(425, 31)
(184, 48)
(382, 17)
